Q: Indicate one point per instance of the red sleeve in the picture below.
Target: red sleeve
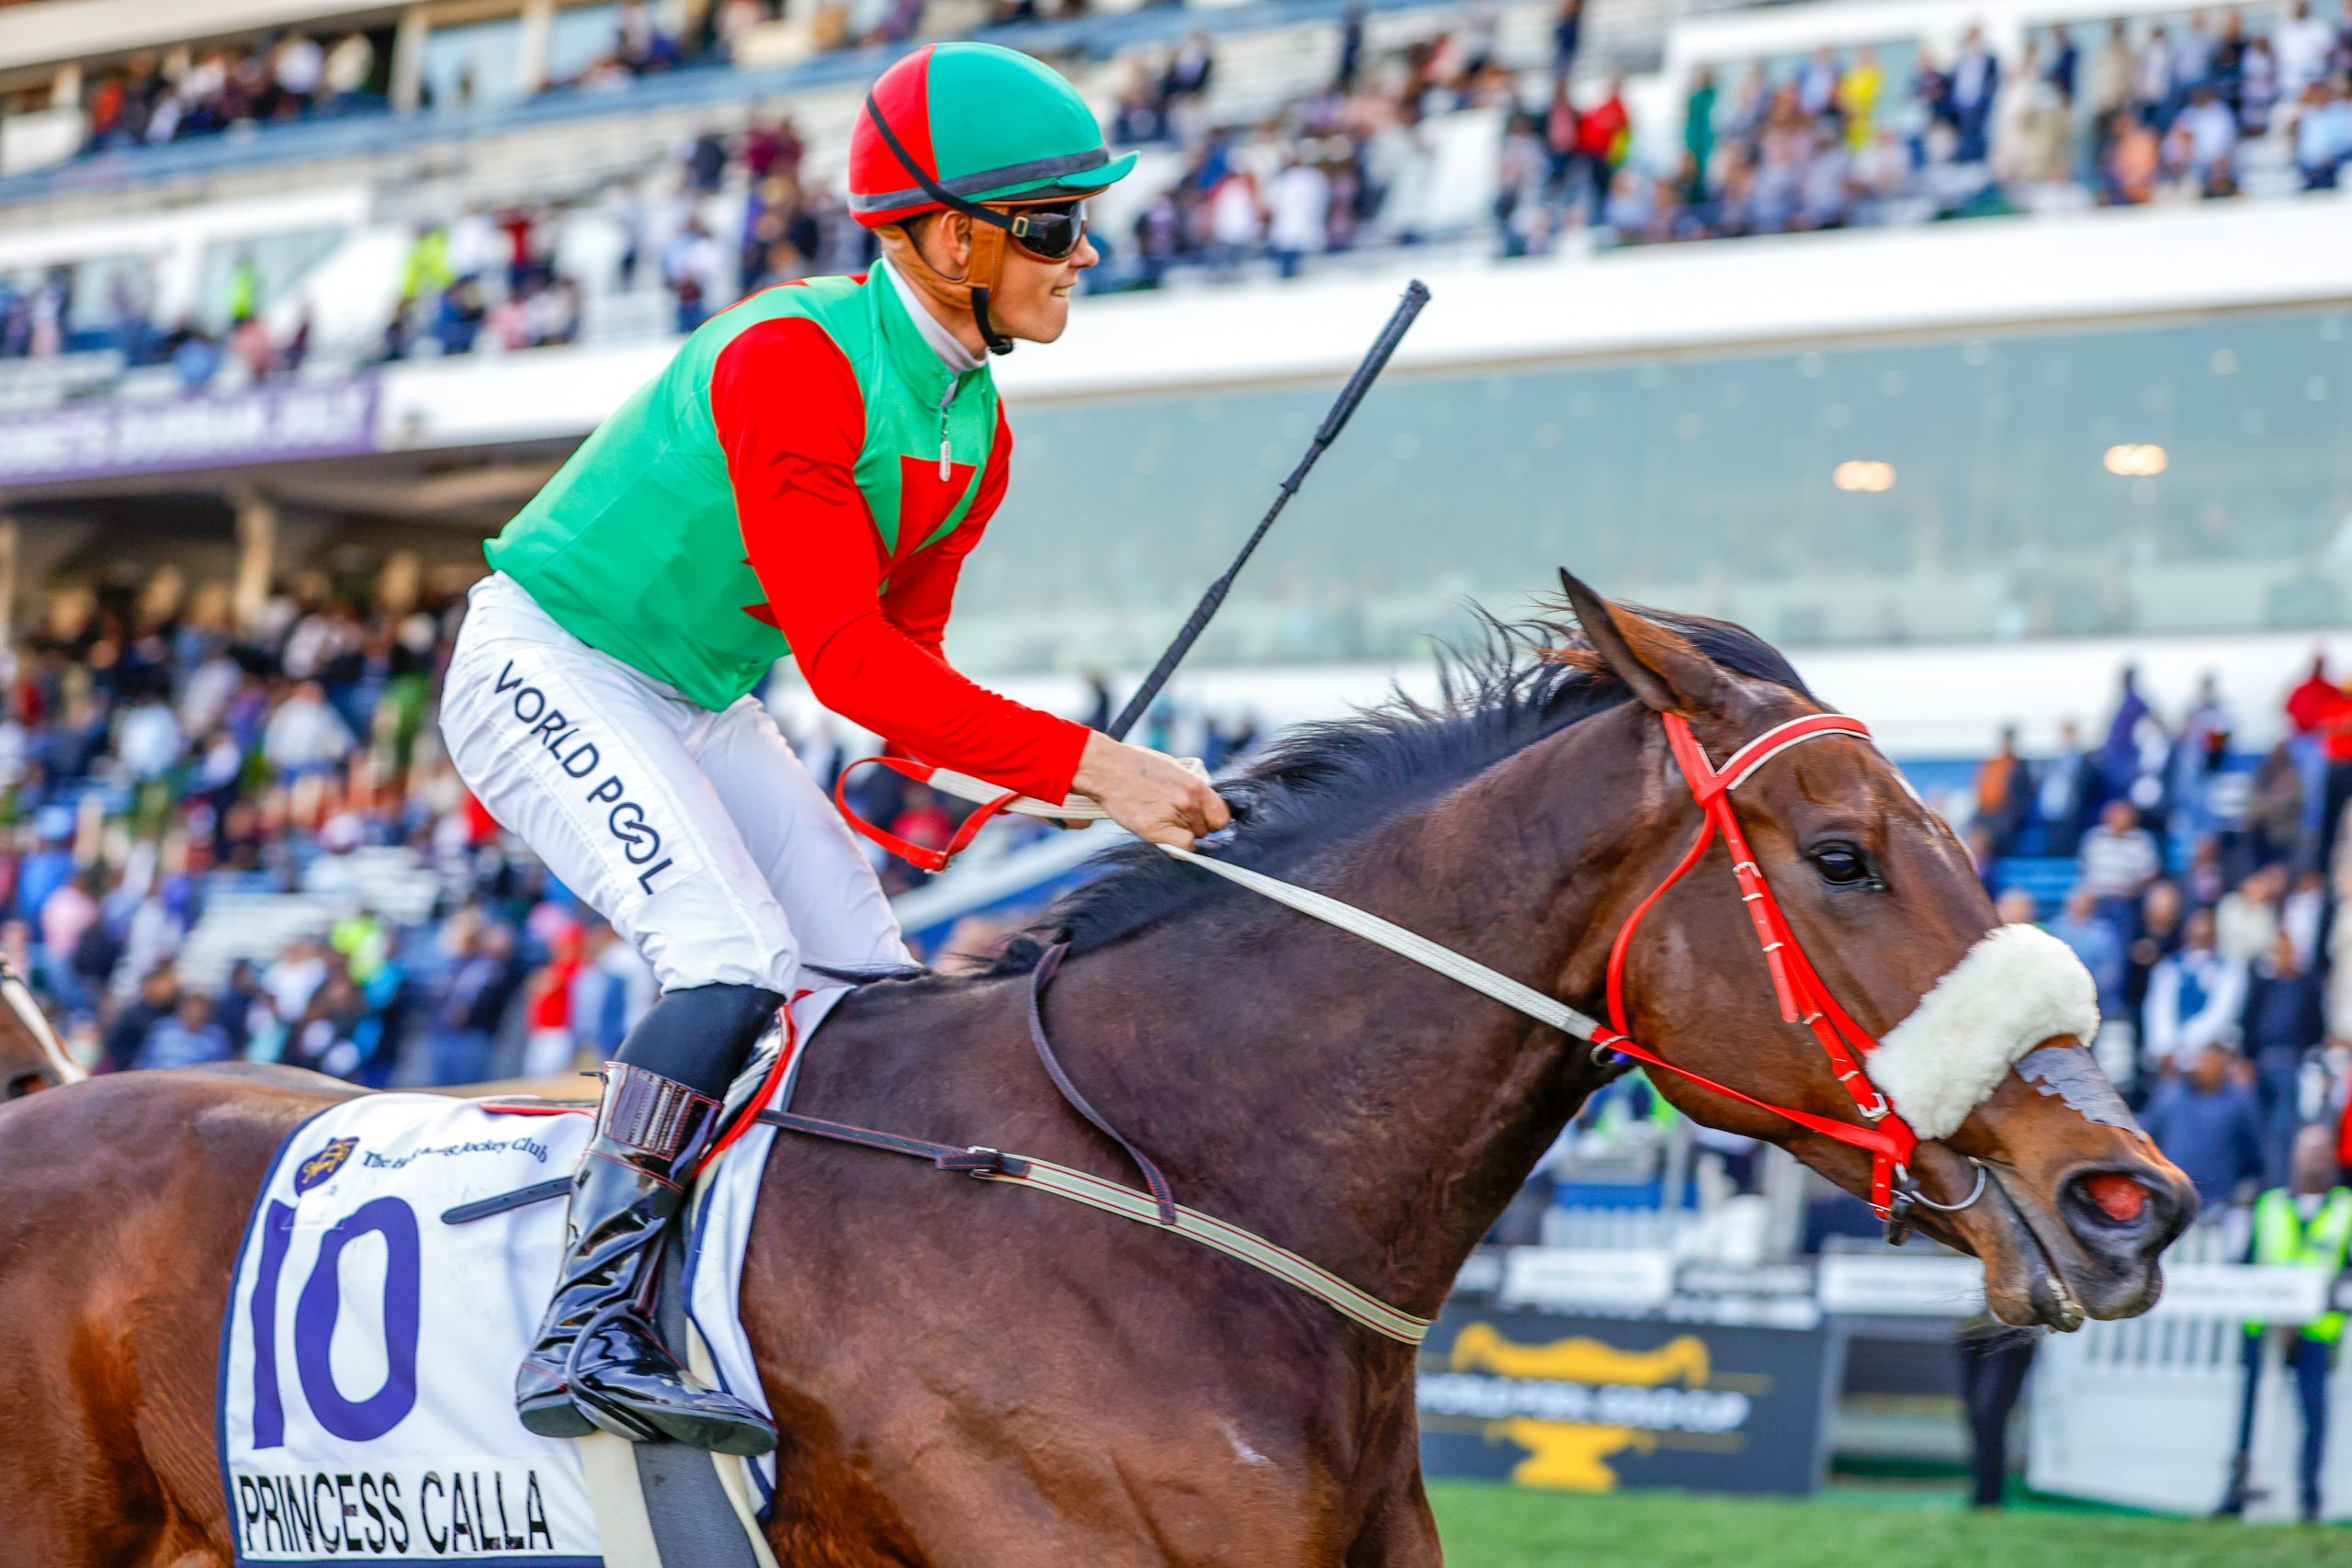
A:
(791, 419)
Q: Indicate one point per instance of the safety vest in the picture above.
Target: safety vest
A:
(2282, 1238)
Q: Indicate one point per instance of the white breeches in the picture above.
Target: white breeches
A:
(697, 834)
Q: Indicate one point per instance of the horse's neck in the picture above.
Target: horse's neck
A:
(1348, 1102)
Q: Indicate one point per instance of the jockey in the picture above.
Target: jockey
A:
(806, 476)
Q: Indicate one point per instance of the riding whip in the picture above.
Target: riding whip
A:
(991, 798)
(1416, 294)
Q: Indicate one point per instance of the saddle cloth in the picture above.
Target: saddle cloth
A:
(365, 1407)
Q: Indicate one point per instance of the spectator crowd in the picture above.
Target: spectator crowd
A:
(158, 756)
(151, 100)
(41, 316)
(488, 280)
(2119, 115)
(154, 98)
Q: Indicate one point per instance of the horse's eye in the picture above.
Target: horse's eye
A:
(1840, 864)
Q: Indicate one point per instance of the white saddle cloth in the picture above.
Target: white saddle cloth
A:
(366, 1406)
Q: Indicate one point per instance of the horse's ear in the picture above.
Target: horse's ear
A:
(1659, 666)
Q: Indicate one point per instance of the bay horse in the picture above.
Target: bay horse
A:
(963, 1378)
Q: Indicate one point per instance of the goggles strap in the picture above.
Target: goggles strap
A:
(930, 187)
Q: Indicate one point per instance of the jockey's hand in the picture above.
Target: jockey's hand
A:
(1149, 795)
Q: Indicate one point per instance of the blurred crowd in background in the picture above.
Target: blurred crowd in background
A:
(158, 97)
(38, 313)
(2132, 112)
(150, 101)
(157, 765)
(2206, 891)
(2208, 105)
(488, 280)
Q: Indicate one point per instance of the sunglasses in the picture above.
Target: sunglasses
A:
(1051, 232)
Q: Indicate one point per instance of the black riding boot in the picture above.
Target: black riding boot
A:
(598, 1362)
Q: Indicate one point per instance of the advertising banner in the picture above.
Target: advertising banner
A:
(1596, 1404)
(267, 423)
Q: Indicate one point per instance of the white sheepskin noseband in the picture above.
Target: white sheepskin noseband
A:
(2016, 987)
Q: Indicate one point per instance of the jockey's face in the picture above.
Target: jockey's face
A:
(1031, 299)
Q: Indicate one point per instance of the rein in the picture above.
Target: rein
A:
(1803, 997)
(1156, 1208)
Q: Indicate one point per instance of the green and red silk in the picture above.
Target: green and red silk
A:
(634, 547)
(986, 123)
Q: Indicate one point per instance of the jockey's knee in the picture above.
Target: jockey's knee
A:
(701, 1035)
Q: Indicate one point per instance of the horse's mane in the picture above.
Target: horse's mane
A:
(1512, 684)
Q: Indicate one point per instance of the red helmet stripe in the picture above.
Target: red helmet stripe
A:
(904, 95)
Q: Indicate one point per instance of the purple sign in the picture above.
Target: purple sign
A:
(262, 424)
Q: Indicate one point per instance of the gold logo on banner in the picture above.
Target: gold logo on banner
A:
(1481, 1347)
(1569, 1455)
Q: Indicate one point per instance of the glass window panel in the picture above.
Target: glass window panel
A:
(477, 62)
(1707, 484)
(581, 35)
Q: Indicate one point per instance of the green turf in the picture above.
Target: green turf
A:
(1501, 1527)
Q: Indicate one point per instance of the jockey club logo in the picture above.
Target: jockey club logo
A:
(320, 1167)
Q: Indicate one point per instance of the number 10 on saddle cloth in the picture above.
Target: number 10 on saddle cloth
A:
(366, 1408)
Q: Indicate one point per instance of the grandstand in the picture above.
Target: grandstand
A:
(307, 268)
(347, 337)
(338, 311)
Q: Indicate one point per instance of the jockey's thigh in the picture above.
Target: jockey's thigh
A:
(832, 899)
(592, 765)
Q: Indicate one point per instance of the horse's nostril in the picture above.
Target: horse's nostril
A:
(2118, 1196)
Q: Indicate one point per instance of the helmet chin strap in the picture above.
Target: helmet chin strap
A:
(981, 271)
(987, 263)
(966, 293)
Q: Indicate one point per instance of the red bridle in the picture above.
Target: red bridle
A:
(1883, 1135)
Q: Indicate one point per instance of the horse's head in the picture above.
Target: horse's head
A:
(1981, 1029)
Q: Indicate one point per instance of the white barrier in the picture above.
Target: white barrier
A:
(1576, 1278)
(1895, 1286)
(2145, 1412)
